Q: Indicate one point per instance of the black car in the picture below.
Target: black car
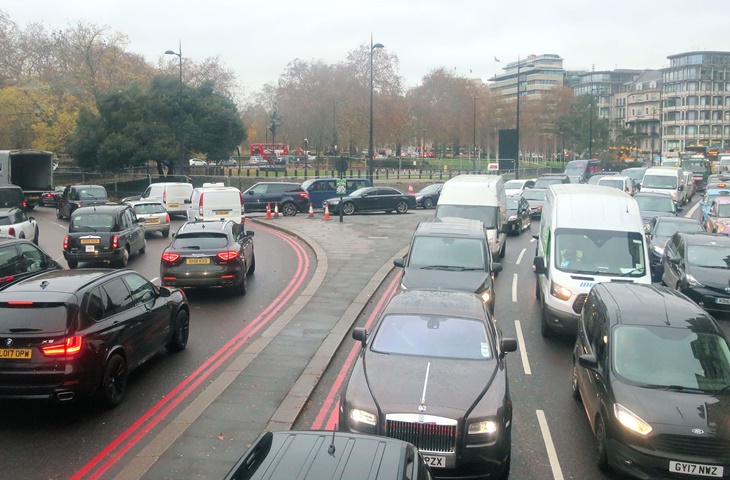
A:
(660, 229)
(433, 373)
(653, 372)
(290, 198)
(698, 265)
(428, 196)
(21, 259)
(370, 199)
(209, 254)
(519, 215)
(450, 254)
(69, 334)
(316, 455)
(551, 179)
(77, 196)
(12, 196)
(51, 199)
(653, 205)
(104, 233)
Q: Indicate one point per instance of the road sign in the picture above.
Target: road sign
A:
(341, 187)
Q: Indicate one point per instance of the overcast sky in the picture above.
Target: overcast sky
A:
(257, 39)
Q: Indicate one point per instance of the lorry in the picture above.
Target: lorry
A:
(31, 170)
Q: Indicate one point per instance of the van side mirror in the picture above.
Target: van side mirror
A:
(539, 265)
(250, 233)
(589, 362)
(496, 267)
(681, 188)
(508, 345)
(187, 200)
(399, 262)
(679, 209)
(360, 334)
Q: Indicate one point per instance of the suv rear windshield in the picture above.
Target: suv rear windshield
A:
(38, 317)
(200, 241)
(458, 253)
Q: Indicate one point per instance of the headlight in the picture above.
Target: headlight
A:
(559, 292)
(692, 281)
(361, 416)
(721, 228)
(488, 426)
(485, 296)
(658, 250)
(630, 420)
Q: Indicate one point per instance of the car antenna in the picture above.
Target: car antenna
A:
(331, 449)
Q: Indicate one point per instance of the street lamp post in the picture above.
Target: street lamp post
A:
(590, 127)
(334, 127)
(517, 129)
(370, 143)
(180, 97)
(423, 147)
(474, 137)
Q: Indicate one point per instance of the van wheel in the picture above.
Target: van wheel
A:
(288, 209)
(545, 329)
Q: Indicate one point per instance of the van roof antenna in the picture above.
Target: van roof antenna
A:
(331, 449)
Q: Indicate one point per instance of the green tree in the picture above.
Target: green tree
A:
(160, 122)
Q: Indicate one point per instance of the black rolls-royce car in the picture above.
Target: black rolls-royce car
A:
(371, 199)
(433, 373)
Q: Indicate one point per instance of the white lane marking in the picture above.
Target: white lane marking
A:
(523, 348)
(692, 210)
(514, 287)
(552, 454)
(65, 227)
(532, 240)
(519, 258)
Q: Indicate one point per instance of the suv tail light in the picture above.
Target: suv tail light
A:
(115, 241)
(70, 347)
(200, 205)
(65, 242)
(25, 204)
(170, 257)
(304, 194)
(11, 231)
(227, 256)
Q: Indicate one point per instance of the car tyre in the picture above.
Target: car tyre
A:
(114, 381)
(252, 267)
(505, 470)
(166, 233)
(427, 203)
(545, 329)
(503, 249)
(58, 213)
(240, 289)
(574, 381)
(143, 250)
(402, 207)
(36, 236)
(72, 264)
(537, 288)
(348, 208)
(180, 335)
(288, 209)
(122, 262)
(601, 444)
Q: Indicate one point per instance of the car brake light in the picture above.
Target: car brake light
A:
(7, 278)
(167, 218)
(25, 204)
(23, 303)
(200, 205)
(170, 257)
(164, 196)
(65, 242)
(241, 201)
(11, 231)
(71, 346)
(304, 194)
(226, 256)
(115, 241)
(721, 185)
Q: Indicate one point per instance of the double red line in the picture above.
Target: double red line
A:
(113, 452)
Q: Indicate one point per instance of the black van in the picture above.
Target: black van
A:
(314, 455)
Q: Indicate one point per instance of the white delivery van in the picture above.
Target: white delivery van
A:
(214, 201)
(669, 180)
(477, 197)
(588, 234)
(171, 195)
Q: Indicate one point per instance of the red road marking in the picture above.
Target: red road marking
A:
(142, 426)
(334, 391)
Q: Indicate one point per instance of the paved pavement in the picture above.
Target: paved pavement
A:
(266, 386)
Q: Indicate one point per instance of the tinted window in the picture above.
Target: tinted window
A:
(258, 189)
(613, 183)
(708, 256)
(91, 193)
(355, 184)
(545, 181)
(33, 259)
(514, 184)
(8, 260)
(512, 203)
(142, 290)
(435, 187)
(7, 219)
(667, 229)
(723, 210)
(11, 197)
(147, 208)
(92, 222)
(660, 181)
(462, 253)
(659, 203)
(199, 241)
(46, 317)
(432, 336)
(94, 306)
(119, 295)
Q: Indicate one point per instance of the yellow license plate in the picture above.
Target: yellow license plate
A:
(16, 353)
(222, 212)
(153, 220)
(88, 241)
(197, 261)
(172, 205)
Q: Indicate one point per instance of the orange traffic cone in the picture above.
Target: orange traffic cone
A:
(276, 210)
(410, 189)
(326, 211)
(268, 211)
(311, 210)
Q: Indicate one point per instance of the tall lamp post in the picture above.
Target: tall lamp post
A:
(590, 127)
(334, 127)
(180, 97)
(423, 147)
(370, 144)
(474, 137)
(517, 127)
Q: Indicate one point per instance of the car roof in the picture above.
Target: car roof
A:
(652, 305)
(677, 220)
(722, 200)
(437, 302)
(652, 194)
(705, 238)
(292, 184)
(450, 226)
(614, 177)
(204, 225)
(103, 208)
(132, 203)
(60, 281)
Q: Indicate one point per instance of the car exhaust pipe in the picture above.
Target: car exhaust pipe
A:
(65, 396)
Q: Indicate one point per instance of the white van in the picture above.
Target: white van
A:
(477, 197)
(669, 180)
(171, 195)
(588, 234)
(214, 201)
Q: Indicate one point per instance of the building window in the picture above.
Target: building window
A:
(691, 86)
(705, 100)
(704, 129)
(692, 115)
(717, 101)
(691, 130)
(704, 114)
(692, 100)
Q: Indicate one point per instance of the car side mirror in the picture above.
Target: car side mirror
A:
(164, 292)
(539, 265)
(679, 209)
(250, 192)
(535, 237)
(399, 262)
(508, 345)
(250, 233)
(31, 218)
(496, 267)
(675, 261)
(360, 334)
(588, 361)
(187, 200)
(681, 188)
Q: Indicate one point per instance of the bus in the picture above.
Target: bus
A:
(269, 151)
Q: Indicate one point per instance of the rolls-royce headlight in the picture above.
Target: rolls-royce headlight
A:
(361, 416)
(485, 427)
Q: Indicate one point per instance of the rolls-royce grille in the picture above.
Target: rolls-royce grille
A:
(580, 300)
(425, 436)
(694, 446)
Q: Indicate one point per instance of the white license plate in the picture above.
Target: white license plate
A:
(434, 461)
(695, 469)
(723, 301)
(89, 248)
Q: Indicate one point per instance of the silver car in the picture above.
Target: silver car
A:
(156, 218)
